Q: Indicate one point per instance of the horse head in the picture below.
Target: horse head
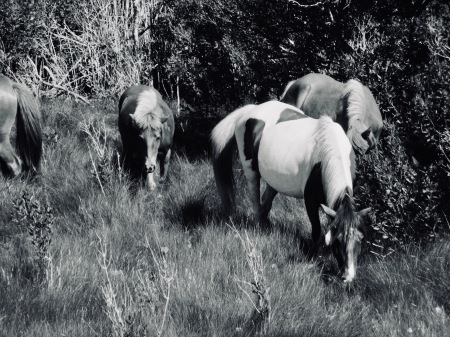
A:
(362, 138)
(345, 229)
(13, 165)
(150, 134)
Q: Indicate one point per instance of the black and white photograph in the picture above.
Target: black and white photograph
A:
(225, 168)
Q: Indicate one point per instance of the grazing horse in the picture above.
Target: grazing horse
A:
(17, 103)
(350, 104)
(297, 156)
(146, 127)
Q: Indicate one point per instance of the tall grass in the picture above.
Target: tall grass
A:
(129, 262)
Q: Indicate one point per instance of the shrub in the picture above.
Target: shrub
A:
(39, 220)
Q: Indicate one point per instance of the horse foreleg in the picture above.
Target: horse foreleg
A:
(267, 199)
(164, 165)
(150, 181)
(312, 209)
(127, 155)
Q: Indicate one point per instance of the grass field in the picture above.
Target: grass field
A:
(84, 254)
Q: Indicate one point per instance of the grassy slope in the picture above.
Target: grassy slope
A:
(115, 252)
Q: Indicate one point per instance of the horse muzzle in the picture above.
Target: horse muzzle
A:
(349, 274)
(150, 168)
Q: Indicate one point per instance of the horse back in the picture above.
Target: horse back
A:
(286, 155)
(324, 97)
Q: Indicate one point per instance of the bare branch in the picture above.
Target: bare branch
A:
(66, 90)
(319, 3)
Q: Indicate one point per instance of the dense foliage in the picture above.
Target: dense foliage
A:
(212, 56)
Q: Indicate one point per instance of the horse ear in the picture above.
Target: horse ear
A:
(364, 214)
(328, 211)
(326, 216)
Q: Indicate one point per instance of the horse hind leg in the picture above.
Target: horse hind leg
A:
(267, 199)
(253, 183)
(10, 159)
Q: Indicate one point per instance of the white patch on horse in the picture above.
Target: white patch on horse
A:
(351, 272)
(328, 238)
(146, 104)
(334, 156)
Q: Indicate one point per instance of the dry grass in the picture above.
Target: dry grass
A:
(127, 262)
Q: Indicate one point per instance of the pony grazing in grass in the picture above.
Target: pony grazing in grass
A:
(297, 156)
(350, 104)
(17, 103)
(146, 127)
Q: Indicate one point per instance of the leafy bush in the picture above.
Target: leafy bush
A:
(38, 218)
(407, 182)
(216, 55)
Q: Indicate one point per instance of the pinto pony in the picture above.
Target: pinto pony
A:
(298, 156)
(146, 126)
(350, 104)
(17, 103)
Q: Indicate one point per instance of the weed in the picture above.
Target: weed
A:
(101, 154)
(39, 220)
(259, 322)
(137, 305)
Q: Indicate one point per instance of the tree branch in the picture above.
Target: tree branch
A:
(66, 90)
(310, 5)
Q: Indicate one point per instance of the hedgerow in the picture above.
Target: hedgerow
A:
(210, 57)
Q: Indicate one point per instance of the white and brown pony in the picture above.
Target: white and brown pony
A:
(146, 127)
(350, 104)
(18, 104)
(297, 156)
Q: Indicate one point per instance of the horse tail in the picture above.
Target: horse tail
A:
(223, 147)
(28, 123)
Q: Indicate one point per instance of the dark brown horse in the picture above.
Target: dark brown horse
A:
(146, 127)
(17, 103)
(350, 104)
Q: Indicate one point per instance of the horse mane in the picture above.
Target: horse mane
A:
(346, 214)
(355, 104)
(146, 113)
(355, 107)
(333, 152)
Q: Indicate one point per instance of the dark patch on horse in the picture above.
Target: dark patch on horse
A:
(314, 195)
(290, 115)
(252, 137)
